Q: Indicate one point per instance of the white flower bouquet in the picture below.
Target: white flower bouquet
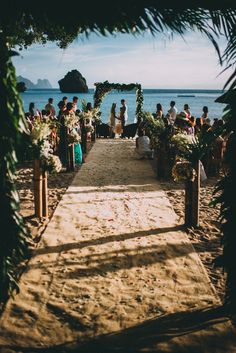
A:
(73, 137)
(89, 128)
(40, 131)
(51, 163)
(71, 120)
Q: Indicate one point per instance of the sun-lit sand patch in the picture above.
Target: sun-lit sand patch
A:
(112, 257)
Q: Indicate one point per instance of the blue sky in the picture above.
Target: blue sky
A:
(155, 62)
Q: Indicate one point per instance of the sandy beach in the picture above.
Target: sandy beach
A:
(114, 260)
(206, 239)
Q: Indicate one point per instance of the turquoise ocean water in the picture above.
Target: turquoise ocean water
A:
(151, 98)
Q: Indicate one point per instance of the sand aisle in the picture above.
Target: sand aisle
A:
(112, 258)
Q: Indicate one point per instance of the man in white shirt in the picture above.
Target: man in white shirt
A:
(172, 112)
(75, 102)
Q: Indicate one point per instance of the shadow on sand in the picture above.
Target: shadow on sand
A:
(204, 330)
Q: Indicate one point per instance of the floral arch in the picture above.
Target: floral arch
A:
(102, 88)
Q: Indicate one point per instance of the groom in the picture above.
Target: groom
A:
(123, 114)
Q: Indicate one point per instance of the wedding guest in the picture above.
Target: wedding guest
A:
(206, 125)
(190, 126)
(215, 124)
(172, 112)
(50, 108)
(204, 114)
(187, 111)
(62, 109)
(65, 100)
(123, 114)
(198, 126)
(69, 108)
(75, 103)
(112, 120)
(159, 111)
(32, 110)
(89, 107)
(45, 115)
(143, 145)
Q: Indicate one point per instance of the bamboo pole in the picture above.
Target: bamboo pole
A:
(37, 178)
(45, 193)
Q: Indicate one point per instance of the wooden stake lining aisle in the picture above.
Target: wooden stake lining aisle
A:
(40, 190)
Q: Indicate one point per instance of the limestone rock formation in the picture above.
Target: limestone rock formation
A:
(73, 82)
(21, 87)
(41, 83)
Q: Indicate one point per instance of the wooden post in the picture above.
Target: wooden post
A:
(196, 195)
(84, 140)
(45, 193)
(37, 178)
(188, 203)
(192, 192)
(93, 135)
(63, 143)
(72, 157)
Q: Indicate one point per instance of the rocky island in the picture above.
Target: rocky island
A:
(41, 83)
(73, 82)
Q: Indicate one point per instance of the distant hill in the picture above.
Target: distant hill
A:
(41, 83)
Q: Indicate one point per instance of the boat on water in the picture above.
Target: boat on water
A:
(186, 95)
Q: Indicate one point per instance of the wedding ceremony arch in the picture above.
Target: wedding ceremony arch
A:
(102, 88)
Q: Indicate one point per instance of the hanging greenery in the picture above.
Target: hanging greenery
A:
(225, 192)
(13, 235)
(102, 88)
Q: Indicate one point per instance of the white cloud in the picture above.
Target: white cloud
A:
(155, 62)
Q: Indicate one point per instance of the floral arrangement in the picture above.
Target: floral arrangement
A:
(70, 120)
(42, 146)
(93, 115)
(181, 142)
(183, 170)
(39, 132)
(154, 127)
(52, 163)
(154, 142)
(89, 128)
(73, 137)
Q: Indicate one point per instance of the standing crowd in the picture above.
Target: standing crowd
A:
(56, 119)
